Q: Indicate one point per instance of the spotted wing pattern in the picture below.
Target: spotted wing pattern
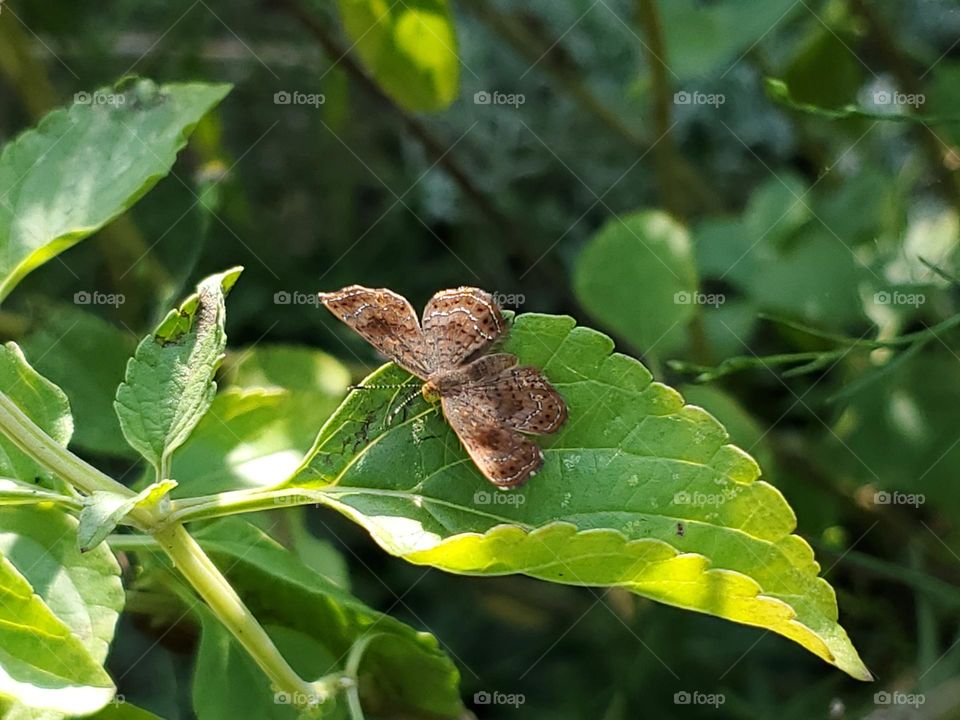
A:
(504, 456)
(523, 399)
(458, 324)
(386, 321)
(518, 397)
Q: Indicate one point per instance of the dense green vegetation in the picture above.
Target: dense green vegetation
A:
(727, 233)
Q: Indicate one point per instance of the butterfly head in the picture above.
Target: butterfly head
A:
(431, 393)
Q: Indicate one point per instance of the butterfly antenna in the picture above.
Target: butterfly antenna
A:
(377, 387)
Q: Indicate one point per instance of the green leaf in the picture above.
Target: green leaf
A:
(169, 381)
(41, 400)
(701, 38)
(409, 47)
(83, 166)
(783, 259)
(404, 671)
(636, 276)
(59, 613)
(743, 429)
(816, 278)
(104, 510)
(637, 491)
(824, 72)
(86, 357)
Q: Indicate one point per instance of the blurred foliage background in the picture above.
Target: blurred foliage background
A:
(651, 183)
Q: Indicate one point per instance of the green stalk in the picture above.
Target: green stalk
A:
(194, 564)
(234, 502)
(30, 438)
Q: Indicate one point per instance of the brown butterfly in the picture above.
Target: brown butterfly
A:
(487, 399)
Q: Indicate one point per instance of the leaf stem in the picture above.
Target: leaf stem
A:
(234, 502)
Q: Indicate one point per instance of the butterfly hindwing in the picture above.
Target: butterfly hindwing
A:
(504, 456)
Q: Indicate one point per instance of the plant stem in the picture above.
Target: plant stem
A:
(665, 151)
(133, 543)
(218, 593)
(30, 438)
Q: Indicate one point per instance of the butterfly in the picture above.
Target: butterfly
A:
(488, 399)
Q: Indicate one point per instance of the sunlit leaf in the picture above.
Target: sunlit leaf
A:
(169, 381)
(638, 491)
(59, 612)
(409, 47)
(84, 165)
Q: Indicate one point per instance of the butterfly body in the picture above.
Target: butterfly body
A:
(487, 399)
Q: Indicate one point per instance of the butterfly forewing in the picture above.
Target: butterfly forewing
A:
(504, 456)
(386, 321)
(460, 323)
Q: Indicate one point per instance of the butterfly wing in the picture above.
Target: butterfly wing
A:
(519, 397)
(504, 456)
(386, 321)
(526, 401)
(459, 323)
